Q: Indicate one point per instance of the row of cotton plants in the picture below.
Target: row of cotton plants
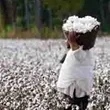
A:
(29, 70)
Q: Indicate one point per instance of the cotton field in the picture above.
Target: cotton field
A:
(29, 70)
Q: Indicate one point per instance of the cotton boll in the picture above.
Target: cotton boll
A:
(8, 103)
(72, 19)
(64, 27)
(79, 27)
(105, 80)
(59, 105)
(89, 27)
(5, 108)
(91, 20)
(67, 27)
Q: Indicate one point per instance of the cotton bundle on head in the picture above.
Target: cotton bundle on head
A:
(80, 25)
(85, 30)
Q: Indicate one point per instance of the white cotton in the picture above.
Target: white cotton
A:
(72, 19)
(81, 25)
(78, 27)
(67, 26)
(77, 70)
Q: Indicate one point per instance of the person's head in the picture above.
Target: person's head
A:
(87, 40)
(81, 31)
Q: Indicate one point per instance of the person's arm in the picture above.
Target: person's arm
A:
(63, 59)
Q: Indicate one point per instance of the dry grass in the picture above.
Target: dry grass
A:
(19, 33)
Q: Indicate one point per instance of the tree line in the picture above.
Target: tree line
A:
(48, 15)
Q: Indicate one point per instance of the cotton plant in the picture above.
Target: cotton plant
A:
(29, 72)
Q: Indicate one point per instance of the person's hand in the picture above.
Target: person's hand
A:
(72, 36)
(67, 43)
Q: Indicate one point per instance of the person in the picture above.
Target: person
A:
(76, 74)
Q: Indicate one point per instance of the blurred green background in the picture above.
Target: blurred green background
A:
(44, 18)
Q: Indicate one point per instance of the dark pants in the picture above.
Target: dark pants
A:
(82, 102)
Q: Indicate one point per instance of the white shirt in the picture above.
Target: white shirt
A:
(77, 70)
